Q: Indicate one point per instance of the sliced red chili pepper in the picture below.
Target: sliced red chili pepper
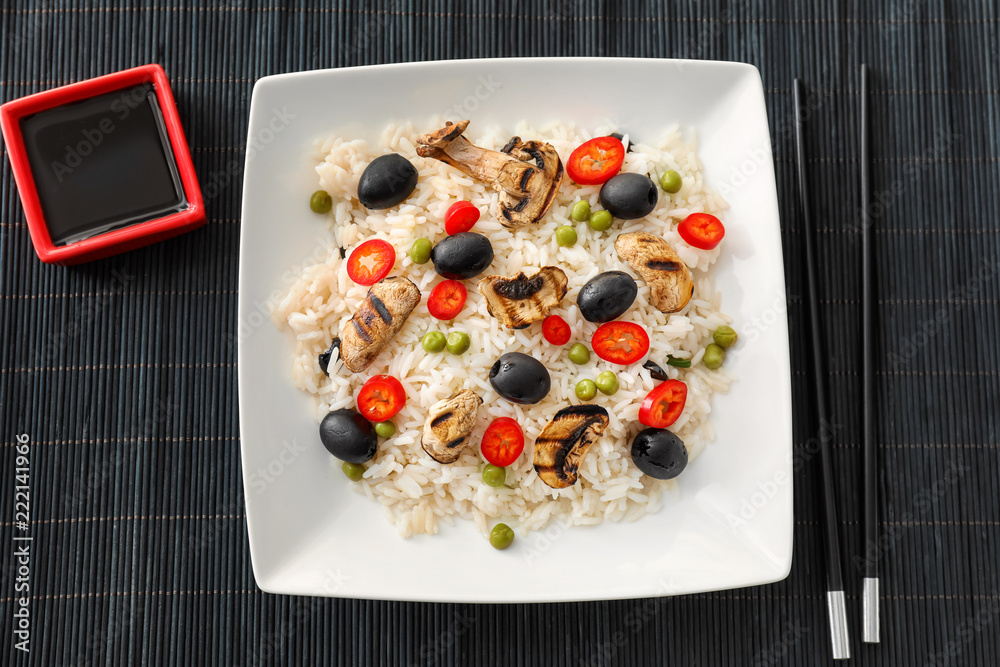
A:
(620, 342)
(701, 230)
(447, 299)
(596, 161)
(555, 330)
(381, 397)
(664, 404)
(460, 217)
(502, 442)
(371, 261)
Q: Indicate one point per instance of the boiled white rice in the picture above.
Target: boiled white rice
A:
(416, 491)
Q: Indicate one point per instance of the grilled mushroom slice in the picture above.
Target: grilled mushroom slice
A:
(449, 425)
(527, 174)
(564, 442)
(654, 259)
(380, 317)
(519, 301)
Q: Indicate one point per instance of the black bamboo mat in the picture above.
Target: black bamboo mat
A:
(123, 372)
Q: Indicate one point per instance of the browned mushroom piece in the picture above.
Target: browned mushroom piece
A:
(521, 300)
(527, 174)
(379, 317)
(564, 442)
(653, 258)
(449, 425)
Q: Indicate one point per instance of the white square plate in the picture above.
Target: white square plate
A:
(311, 535)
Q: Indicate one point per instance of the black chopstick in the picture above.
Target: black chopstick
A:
(834, 574)
(869, 607)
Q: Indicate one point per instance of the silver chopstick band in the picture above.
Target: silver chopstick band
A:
(838, 625)
(869, 610)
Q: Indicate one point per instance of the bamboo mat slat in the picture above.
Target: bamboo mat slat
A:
(123, 371)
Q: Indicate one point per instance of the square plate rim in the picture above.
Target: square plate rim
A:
(271, 583)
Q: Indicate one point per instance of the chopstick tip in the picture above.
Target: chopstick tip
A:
(869, 611)
(837, 609)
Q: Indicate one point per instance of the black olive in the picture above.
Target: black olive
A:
(388, 180)
(324, 357)
(520, 378)
(606, 296)
(348, 436)
(655, 371)
(659, 453)
(461, 256)
(621, 137)
(629, 196)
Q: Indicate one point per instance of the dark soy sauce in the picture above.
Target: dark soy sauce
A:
(102, 163)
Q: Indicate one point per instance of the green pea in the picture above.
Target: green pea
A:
(458, 342)
(714, 356)
(566, 236)
(586, 390)
(501, 536)
(600, 221)
(580, 211)
(385, 429)
(321, 202)
(725, 337)
(494, 475)
(420, 251)
(671, 181)
(579, 354)
(354, 471)
(607, 382)
(433, 341)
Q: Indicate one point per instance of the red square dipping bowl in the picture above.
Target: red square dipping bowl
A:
(102, 166)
